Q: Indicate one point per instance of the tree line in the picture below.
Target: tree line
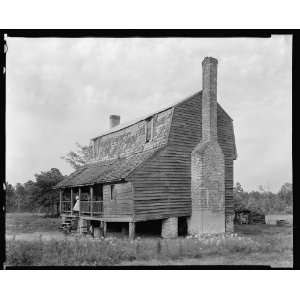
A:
(264, 201)
(38, 195)
(35, 195)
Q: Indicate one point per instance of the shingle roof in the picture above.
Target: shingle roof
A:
(106, 171)
(166, 107)
(132, 122)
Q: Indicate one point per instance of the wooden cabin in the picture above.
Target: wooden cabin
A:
(174, 166)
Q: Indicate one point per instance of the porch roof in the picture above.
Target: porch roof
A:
(105, 171)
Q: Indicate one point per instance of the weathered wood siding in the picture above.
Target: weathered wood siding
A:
(122, 205)
(159, 186)
(132, 139)
(162, 185)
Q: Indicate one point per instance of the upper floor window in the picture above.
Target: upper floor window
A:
(149, 129)
(113, 195)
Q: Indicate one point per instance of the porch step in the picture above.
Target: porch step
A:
(68, 223)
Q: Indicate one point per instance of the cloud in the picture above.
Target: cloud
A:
(60, 91)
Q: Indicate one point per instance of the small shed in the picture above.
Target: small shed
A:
(247, 216)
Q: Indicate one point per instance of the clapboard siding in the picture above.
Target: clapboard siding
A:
(162, 185)
(159, 186)
(122, 205)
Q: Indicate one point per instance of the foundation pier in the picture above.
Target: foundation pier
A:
(131, 230)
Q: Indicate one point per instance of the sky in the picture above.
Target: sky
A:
(62, 91)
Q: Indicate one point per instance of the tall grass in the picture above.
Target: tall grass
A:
(111, 251)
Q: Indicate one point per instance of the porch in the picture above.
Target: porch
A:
(97, 206)
(89, 201)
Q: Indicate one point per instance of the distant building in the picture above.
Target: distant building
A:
(173, 166)
(247, 216)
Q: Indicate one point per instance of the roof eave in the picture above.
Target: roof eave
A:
(92, 183)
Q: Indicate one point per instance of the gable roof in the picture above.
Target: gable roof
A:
(132, 122)
(119, 168)
(106, 171)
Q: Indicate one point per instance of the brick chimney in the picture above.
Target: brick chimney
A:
(114, 120)
(209, 99)
(207, 163)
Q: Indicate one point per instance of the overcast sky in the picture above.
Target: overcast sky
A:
(61, 91)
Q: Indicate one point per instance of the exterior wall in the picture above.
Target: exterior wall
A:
(123, 205)
(186, 128)
(208, 189)
(132, 139)
(162, 185)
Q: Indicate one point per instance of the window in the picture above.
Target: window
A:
(113, 191)
(149, 129)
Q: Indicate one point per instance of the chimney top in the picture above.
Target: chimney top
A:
(209, 59)
(114, 120)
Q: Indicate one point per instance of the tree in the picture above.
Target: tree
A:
(239, 197)
(20, 195)
(31, 192)
(286, 197)
(79, 157)
(43, 193)
(264, 200)
(11, 203)
(39, 194)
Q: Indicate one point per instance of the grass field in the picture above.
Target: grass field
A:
(271, 219)
(17, 223)
(249, 245)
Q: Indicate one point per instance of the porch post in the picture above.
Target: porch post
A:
(60, 201)
(91, 203)
(71, 201)
(131, 230)
(104, 229)
(79, 199)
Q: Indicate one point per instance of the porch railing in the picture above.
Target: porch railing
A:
(66, 207)
(91, 208)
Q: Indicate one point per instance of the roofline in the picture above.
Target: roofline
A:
(133, 122)
(121, 179)
(89, 184)
(225, 111)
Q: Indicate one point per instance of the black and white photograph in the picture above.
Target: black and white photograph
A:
(139, 151)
